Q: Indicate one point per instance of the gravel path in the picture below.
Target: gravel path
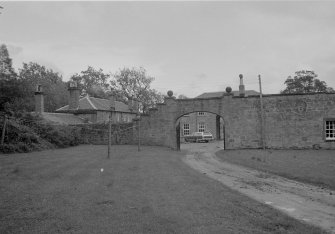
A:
(304, 202)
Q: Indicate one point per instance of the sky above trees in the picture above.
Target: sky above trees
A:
(189, 47)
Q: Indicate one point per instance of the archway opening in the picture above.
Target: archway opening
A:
(200, 127)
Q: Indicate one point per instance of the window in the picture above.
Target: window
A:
(201, 113)
(330, 129)
(201, 127)
(186, 129)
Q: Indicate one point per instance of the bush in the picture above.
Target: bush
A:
(8, 148)
(30, 132)
(29, 138)
(22, 147)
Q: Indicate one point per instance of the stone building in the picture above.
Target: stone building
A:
(206, 121)
(201, 122)
(86, 109)
(275, 121)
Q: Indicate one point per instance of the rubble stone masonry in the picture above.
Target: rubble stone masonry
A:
(290, 121)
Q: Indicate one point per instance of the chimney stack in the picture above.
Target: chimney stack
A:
(130, 104)
(74, 93)
(136, 106)
(112, 101)
(241, 87)
(39, 99)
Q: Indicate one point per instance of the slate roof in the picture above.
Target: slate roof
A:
(219, 94)
(92, 103)
(62, 118)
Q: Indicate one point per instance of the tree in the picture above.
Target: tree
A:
(305, 82)
(55, 90)
(10, 88)
(6, 69)
(182, 96)
(134, 84)
(92, 82)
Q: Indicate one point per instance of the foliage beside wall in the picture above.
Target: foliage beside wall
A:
(27, 132)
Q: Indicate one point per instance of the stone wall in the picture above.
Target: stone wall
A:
(291, 121)
(298, 120)
(122, 134)
(117, 117)
(103, 117)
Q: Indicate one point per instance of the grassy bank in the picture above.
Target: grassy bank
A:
(28, 132)
(310, 166)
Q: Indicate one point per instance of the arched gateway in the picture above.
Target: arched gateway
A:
(290, 121)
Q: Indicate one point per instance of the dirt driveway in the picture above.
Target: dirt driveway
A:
(305, 202)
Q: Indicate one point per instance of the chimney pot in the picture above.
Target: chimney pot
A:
(74, 93)
(135, 106)
(39, 88)
(39, 99)
(130, 104)
(241, 87)
(112, 101)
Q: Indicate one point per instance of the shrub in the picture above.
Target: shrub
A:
(22, 147)
(29, 138)
(8, 148)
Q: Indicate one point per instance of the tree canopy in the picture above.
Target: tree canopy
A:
(93, 82)
(6, 68)
(134, 84)
(17, 90)
(305, 82)
(182, 96)
(55, 90)
(10, 88)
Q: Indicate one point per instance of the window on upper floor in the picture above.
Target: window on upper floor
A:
(201, 113)
(330, 129)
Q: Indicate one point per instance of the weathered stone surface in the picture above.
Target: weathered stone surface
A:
(291, 121)
(122, 134)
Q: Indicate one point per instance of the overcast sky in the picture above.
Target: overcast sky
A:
(189, 47)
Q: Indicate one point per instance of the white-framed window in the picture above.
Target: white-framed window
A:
(201, 127)
(201, 113)
(330, 129)
(186, 129)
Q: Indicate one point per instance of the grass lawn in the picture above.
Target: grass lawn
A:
(311, 166)
(152, 191)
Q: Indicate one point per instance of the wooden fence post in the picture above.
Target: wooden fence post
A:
(109, 134)
(262, 112)
(3, 130)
